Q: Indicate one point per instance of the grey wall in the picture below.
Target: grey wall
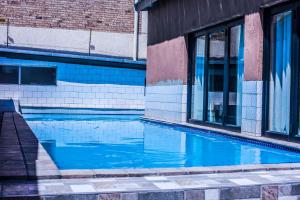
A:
(172, 18)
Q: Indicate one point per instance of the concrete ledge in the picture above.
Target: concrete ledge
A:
(82, 111)
(110, 173)
(22, 156)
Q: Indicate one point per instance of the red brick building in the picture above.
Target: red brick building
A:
(106, 26)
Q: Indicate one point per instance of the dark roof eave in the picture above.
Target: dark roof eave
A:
(144, 5)
(72, 58)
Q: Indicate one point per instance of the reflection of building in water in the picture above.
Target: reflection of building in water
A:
(250, 155)
(72, 132)
(157, 137)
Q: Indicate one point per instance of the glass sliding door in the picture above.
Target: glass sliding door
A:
(280, 73)
(216, 82)
(198, 80)
(216, 63)
(236, 76)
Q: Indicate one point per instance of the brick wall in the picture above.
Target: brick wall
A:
(101, 15)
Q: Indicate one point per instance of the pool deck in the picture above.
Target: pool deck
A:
(267, 185)
(21, 154)
(26, 170)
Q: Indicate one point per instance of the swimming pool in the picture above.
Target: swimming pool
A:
(124, 141)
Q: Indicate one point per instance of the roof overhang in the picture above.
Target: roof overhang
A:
(143, 5)
(71, 58)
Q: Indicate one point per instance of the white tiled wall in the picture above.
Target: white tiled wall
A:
(252, 107)
(166, 102)
(76, 95)
(169, 102)
(81, 86)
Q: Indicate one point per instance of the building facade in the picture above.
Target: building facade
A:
(81, 55)
(229, 64)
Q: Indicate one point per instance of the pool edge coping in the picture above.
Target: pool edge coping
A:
(140, 172)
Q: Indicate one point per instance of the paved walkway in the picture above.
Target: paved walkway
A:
(270, 185)
(21, 155)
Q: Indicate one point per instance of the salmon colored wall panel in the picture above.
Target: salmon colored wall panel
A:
(167, 61)
(253, 47)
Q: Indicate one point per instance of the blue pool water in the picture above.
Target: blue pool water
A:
(112, 141)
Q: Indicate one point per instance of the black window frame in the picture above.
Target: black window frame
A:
(20, 67)
(295, 72)
(39, 67)
(192, 38)
(11, 65)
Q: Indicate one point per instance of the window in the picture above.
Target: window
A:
(217, 74)
(9, 74)
(280, 72)
(198, 81)
(236, 75)
(27, 75)
(38, 76)
(216, 65)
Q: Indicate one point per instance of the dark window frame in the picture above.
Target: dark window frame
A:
(295, 72)
(192, 38)
(20, 67)
(11, 65)
(40, 67)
